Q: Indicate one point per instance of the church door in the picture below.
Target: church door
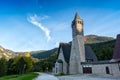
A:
(87, 69)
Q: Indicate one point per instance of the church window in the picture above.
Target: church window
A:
(107, 70)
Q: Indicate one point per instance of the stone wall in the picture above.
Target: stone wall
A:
(77, 54)
(99, 68)
(61, 67)
(114, 68)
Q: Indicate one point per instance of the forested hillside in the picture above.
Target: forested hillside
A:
(103, 50)
(43, 54)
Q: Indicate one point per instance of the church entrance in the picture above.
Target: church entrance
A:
(87, 69)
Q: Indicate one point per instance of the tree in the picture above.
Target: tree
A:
(3, 66)
(37, 67)
(10, 67)
(29, 64)
(20, 65)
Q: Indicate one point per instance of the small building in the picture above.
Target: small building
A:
(76, 57)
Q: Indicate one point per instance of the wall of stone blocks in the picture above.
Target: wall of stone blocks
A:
(59, 65)
(114, 68)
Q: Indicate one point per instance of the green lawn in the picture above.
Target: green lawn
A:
(28, 76)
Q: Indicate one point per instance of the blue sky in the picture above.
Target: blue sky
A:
(28, 25)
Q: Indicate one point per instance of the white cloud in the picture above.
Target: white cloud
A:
(35, 20)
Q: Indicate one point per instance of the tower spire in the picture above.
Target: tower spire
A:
(77, 25)
(77, 16)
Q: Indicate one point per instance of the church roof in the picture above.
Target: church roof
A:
(66, 47)
(89, 53)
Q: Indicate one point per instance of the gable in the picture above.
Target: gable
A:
(60, 56)
(66, 48)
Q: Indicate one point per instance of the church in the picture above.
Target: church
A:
(77, 58)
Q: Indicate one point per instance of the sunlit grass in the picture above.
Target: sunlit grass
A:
(28, 76)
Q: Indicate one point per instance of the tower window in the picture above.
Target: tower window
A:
(79, 22)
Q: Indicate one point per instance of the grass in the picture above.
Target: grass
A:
(28, 76)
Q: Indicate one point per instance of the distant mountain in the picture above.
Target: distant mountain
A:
(6, 53)
(97, 39)
(43, 54)
(36, 52)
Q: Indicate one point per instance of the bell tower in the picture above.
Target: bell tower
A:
(77, 54)
(77, 26)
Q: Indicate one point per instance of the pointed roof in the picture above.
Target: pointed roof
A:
(76, 16)
(66, 47)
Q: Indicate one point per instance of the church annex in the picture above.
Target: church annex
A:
(75, 57)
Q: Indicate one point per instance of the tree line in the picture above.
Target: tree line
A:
(23, 64)
(17, 65)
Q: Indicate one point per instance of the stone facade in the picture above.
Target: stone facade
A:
(104, 68)
(77, 54)
(59, 65)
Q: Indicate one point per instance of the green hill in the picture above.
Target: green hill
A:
(103, 50)
(97, 39)
(43, 54)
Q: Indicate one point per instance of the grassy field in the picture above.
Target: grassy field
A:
(28, 76)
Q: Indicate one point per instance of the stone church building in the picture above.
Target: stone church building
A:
(75, 57)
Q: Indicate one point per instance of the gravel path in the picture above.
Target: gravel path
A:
(88, 77)
(43, 76)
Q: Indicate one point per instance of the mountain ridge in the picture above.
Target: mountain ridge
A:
(96, 39)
